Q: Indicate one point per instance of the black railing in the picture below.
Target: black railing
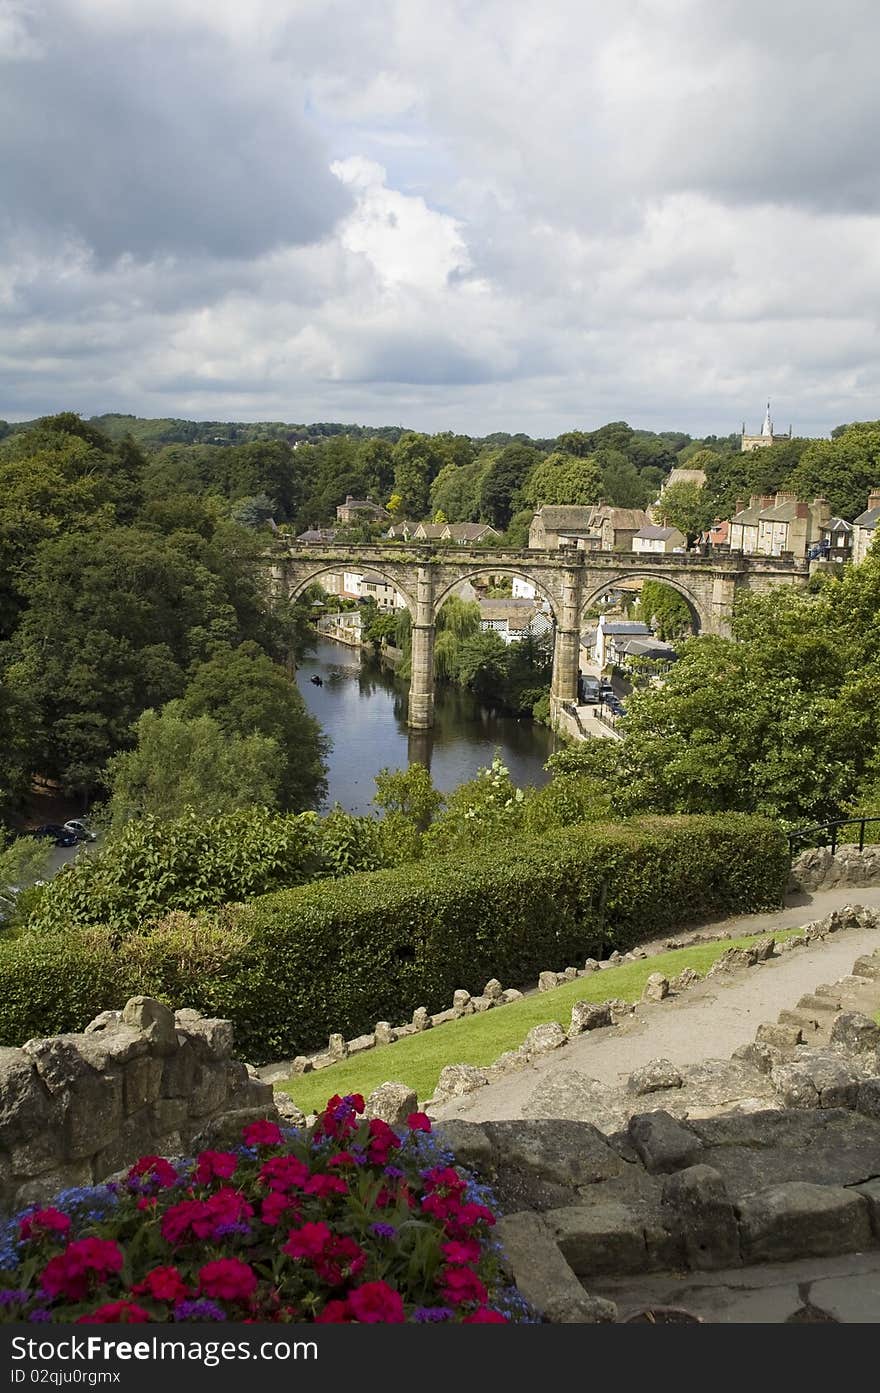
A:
(828, 834)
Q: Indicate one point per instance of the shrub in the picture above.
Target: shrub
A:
(288, 1227)
(339, 956)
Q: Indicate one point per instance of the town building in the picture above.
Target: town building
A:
(592, 527)
(317, 536)
(653, 540)
(767, 437)
(598, 644)
(864, 527)
(836, 541)
(361, 510)
(676, 476)
(513, 620)
(778, 525)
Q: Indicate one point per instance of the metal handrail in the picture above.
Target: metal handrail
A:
(805, 833)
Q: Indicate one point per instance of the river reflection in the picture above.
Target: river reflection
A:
(362, 707)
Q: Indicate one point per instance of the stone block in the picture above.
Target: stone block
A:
(543, 1039)
(24, 1102)
(570, 974)
(494, 989)
(461, 1002)
(662, 1143)
(588, 1015)
(510, 994)
(565, 1153)
(256, 1095)
(457, 1079)
(613, 959)
(141, 1083)
(782, 1037)
(45, 1187)
(591, 965)
(653, 1076)
(169, 1115)
(92, 1114)
(421, 1018)
(392, 1103)
(511, 1061)
(543, 1276)
(470, 1143)
(600, 1238)
(868, 1098)
(289, 1113)
(818, 1005)
(364, 1042)
(135, 1138)
(799, 1220)
(337, 1047)
(385, 1033)
(855, 1032)
(704, 1216)
(179, 1072)
(619, 1009)
(483, 1003)
(870, 1190)
(154, 1020)
(216, 1035)
(103, 1021)
(302, 1064)
(686, 978)
(764, 948)
(443, 1017)
(547, 981)
(656, 988)
(867, 966)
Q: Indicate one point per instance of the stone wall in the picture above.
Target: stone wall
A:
(76, 1108)
(817, 869)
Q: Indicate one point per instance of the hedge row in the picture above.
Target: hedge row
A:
(340, 955)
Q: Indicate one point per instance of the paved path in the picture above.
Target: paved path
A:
(709, 1021)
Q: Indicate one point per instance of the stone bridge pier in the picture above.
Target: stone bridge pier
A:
(569, 580)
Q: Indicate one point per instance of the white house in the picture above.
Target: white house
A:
(654, 540)
(512, 619)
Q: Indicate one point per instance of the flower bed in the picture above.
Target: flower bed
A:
(349, 1222)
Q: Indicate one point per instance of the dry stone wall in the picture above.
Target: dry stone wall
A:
(76, 1108)
(817, 869)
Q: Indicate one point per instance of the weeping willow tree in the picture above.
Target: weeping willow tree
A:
(458, 620)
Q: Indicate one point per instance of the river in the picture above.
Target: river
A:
(362, 708)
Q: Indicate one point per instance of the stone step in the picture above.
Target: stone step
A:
(868, 966)
(813, 1003)
(802, 1019)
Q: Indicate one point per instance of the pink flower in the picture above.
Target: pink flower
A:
(340, 1259)
(44, 1222)
(485, 1315)
(325, 1185)
(334, 1313)
(284, 1173)
(375, 1303)
(444, 1180)
(163, 1284)
(465, 1251)
(262, 1134)
(276, 1205)
(116, 1313)
(85, 1263)
(460, 1285)
(418, 1122)
(214, 1165)
(307, 1242)
(382, 1140)
(228, 1279)
(159, 1172)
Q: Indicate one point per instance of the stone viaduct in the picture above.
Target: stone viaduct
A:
(569, 579)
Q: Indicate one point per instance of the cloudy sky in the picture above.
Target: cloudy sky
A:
(469, 214)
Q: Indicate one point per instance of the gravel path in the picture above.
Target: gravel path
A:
(709, 1021)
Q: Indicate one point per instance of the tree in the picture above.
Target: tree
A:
(843, 470)
(408, 793)
(416, 461)
(664, 610)
(247, 694)
(178, 763)
(255, 511)
(561, 479)
(456, 489)
(688, 507)
(505, 476)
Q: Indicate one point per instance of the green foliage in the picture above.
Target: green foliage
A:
(348, 844)
(664, 610)
(501, 482)
(562, 478)
(488, 808)
(179, 763)
(688, 507)
(23, 861)
(409, 793)
(371, 947)
(189, 862)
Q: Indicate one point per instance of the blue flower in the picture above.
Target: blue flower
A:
(198, 1310)
(383, 1230)
(432, 1313)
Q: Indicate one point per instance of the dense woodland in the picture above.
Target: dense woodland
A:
(142, 661)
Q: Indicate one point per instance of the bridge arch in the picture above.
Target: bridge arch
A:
(301, 583)
(469, 572)
(702, 620)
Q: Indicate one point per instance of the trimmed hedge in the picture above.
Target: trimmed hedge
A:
(340, 955)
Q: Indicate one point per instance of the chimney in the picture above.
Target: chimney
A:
(874, 498)
(802, 510)
(349, 498)
(740, 504)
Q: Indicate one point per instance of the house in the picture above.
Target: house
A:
(772, 526)
(836, 541)
(317, 536)
(361, 510)
(514, 619)
(468, 534)
(401, 531)
(864, 526)
(625, 650)
(767, 437)
(429, 532)
(597, 644)
(551, 521)
(522, 589)
(376, 587)
(718, 534)
(616, 527)
(654, 540)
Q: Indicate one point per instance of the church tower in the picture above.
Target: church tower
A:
(767, 436)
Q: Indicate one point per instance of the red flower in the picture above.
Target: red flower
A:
(227, 1278)
(340, 1116)
(44, 1222)
(262, 1134)
(307, 1242)
(382, 1140)
(214, 1165)
(460, 1284)
(342, 1158)
(160, 1173)
(325, 1185)
(202, 1218)
(276, 1205)
(334, 1313)
(340, 1259)
(163, 1284)
(117, 1313)
(284, 1173)
(85, 1263)
(375, 1303)
(460, 1221)
(418, 1122)
(485, 1315)
(444, 1180)
(465, 1251)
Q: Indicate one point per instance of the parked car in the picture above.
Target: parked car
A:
(590, 690)
(80, 831)
(58, 834)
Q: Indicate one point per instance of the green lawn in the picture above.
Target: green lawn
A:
(479, 1039)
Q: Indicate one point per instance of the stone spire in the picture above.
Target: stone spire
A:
(767, 428)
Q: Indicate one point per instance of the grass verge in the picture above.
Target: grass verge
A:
(417, 1059)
